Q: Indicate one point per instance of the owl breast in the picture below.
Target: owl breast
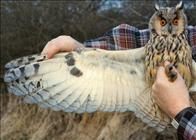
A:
(176, 50)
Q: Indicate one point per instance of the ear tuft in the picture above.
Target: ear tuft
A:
(156, 7)
(180, 6)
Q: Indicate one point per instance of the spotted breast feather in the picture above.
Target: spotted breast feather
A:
(174, 49)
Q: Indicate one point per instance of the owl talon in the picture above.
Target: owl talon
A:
(171, 74)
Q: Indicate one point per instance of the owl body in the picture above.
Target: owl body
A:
(176, 50)
(168, 42)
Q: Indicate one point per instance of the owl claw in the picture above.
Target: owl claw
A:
(171, 74)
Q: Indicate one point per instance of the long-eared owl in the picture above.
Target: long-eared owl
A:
(168, 42)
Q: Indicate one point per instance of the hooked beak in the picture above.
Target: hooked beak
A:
(169, 28)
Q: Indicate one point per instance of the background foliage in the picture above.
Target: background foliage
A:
(26, 26)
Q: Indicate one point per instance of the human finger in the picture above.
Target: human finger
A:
(50, 49)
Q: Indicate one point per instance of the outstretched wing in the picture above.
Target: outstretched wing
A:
(79, 82)
(87, 81)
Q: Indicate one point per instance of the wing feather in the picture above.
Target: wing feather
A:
(88, 81)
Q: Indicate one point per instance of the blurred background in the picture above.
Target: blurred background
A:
(26, 26)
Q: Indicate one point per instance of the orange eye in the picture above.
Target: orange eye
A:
(175, 21)
(162, 22)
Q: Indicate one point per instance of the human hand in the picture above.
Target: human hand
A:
(172, 97)
(60, 44)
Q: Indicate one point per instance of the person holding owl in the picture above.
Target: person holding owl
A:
(172, 97)
(165, 92)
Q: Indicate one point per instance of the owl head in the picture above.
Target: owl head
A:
(168, 20)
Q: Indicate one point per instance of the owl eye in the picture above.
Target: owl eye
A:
(162, 22)
(175, 21)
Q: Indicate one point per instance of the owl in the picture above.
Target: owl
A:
(168, 43)
(89, 80)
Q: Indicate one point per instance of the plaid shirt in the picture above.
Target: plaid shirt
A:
(187, 120)
(125, 37)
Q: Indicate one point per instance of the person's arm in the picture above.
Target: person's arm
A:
(121, 37)
(61, 44)
(173, 99)
(187, 124)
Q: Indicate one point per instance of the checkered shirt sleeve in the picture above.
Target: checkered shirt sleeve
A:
(192, 39)
(121, 37)
(187, 124)
(125, 37)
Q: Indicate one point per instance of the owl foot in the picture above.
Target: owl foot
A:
(170, 72)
